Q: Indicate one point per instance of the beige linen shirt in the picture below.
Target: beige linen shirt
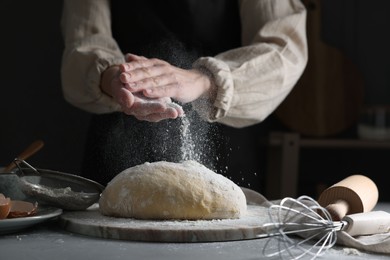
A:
(252, 80)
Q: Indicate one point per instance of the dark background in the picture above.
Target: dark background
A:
(32, 106)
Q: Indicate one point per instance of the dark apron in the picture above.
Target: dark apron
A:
(179, 32)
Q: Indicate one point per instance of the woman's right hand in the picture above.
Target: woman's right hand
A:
(136, 104)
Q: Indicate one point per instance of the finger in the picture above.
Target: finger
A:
(156, 73)
(141, 98)
(168, 114)
(140, 74)
(125, 78)
(124, 98)
(141, 82)
(169, 90)
(141, 63)
(132, 57)
(135, 64)
(178, 108)
(147, 108)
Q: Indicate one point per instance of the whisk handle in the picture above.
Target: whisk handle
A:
(367, 223)
(338, 209)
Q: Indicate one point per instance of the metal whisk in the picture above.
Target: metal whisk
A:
(306, 219)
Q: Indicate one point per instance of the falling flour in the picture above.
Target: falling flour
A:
(197, 139)
(187, 148)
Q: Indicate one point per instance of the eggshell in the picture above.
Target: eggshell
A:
(5, 206)
(21, 208)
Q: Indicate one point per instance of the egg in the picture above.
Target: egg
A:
(21, 208)
(5, 206)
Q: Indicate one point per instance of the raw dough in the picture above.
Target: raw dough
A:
(165, 190)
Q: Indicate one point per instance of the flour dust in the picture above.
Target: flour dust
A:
(187, 146)
(199, 141)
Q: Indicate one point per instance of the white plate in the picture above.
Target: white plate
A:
(11, 225)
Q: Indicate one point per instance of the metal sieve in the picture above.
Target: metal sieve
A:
(59, 189)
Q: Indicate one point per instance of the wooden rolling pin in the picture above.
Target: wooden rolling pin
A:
(354, 194)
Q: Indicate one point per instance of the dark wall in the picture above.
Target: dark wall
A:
(359, 28)
(32, 106)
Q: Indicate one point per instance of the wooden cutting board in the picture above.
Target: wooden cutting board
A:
(92, 223)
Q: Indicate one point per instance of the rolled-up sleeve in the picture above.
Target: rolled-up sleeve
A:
(254, 79)
(89, 50)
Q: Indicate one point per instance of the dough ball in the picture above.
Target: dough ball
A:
(164, 190)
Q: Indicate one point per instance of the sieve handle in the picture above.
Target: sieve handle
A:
(30, 150)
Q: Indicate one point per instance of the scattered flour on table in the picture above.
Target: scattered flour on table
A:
(351, 251)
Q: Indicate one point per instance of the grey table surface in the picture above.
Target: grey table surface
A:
(49, 241)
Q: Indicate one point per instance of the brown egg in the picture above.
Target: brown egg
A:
(22, 209)
(5, 206)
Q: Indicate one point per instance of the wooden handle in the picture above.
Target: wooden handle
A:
(338, 209)
(29, 151)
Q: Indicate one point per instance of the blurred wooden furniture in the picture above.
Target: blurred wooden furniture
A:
(328, 97)
(283, 158)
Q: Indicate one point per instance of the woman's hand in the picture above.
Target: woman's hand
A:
(136, 104)
(156, 78)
